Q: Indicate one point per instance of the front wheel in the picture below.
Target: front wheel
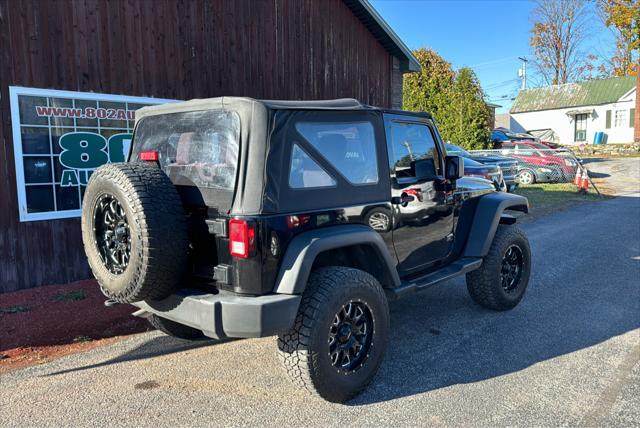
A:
(501, 281)
(526, 176)
(340, 334)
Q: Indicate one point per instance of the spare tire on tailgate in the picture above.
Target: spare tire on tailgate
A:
(134, 232)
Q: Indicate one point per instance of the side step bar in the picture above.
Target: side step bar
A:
(457, 268)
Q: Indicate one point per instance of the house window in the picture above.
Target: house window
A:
(581, 127)
(620, 119)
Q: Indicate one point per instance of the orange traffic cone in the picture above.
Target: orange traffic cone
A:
(584, 182)
(576, 179)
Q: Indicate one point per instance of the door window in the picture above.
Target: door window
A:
(581, 127)
(411, 142)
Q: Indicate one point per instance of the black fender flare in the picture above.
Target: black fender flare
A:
(487, 216)
(304, 248)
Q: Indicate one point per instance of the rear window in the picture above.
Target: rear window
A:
(197, 149)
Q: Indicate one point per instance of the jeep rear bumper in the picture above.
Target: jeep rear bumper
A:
(226, 314)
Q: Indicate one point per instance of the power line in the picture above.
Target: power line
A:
(500, 84)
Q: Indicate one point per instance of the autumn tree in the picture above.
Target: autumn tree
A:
(559, 30)
(623, 18)
(455, 99)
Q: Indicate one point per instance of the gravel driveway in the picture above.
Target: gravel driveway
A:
(568, 355)
(622, 175)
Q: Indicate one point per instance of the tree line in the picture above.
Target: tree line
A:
(561, 29)
(454, 98)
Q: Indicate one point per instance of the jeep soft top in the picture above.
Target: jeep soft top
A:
(235, 217)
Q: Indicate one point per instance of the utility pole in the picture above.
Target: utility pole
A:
(523, 72)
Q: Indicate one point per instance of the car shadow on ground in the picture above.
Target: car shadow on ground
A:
(439, 339)
(157, 346)
(442, 338)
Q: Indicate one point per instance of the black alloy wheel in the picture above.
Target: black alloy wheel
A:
(502, 279)
(512, 267)
(112, 234)
(350, 336)
(340, 334)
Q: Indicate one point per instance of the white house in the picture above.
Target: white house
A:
(576, 111)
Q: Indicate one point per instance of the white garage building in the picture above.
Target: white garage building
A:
(576, 111)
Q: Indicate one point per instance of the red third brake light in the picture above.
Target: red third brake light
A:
(242, 238)
(149, 155)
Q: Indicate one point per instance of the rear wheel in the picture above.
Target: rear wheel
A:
(340, 334)
(501, 281)
(174, 329)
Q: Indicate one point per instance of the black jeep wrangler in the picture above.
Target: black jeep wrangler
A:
(242, 218)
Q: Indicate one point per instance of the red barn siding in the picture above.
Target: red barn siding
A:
(286, 49)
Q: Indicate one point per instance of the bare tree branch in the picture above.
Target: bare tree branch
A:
(559, 30)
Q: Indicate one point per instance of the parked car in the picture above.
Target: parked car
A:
(235, 217)
(508, 165)
(500, 135)
(545, 136)
(540, 164)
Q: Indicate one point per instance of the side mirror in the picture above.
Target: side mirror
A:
(424, 169)
(454, 167)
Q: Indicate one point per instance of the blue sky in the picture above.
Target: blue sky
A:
(488, 36)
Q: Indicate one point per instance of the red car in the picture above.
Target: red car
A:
(539, 163)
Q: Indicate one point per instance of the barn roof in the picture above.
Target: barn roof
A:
(587, 93)
(384, 33)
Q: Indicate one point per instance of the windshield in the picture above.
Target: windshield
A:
(196, 149)
(539, 146)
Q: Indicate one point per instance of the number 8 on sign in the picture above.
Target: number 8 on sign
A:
(83, 150)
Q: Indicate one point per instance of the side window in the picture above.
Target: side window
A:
(349, 147)
(410, 142)
(305, 173)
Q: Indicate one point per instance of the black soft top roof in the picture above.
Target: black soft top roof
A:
(242, 103)
(258, 119)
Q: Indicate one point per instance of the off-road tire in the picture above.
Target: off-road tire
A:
(157, 230)
(485, 284)
(304, 350)
(175, 329)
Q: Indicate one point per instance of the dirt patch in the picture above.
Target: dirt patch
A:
(44, 323)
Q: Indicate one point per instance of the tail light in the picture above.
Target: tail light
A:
(242, 238)
(416, 193)
(149, 155)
